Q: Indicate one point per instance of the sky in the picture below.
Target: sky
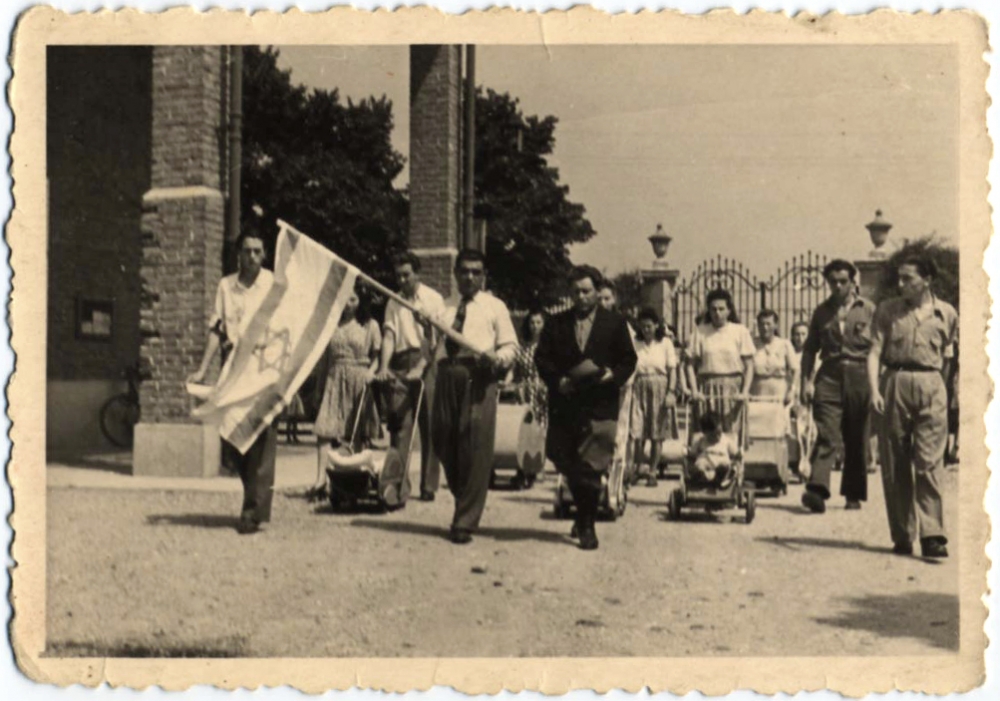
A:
(756, 153)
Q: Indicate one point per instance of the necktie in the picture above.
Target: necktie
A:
(450, 346)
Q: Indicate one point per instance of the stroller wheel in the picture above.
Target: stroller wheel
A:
(674, 504)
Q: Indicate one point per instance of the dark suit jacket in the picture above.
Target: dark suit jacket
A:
(609, 346)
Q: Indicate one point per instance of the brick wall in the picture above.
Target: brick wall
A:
(435, 166)
(98, 128)
(182, 224)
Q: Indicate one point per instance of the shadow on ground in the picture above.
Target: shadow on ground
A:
(932, 617)
(799, 543)
(500, 534)
(193, 520)
(233, 646)
(119, 462)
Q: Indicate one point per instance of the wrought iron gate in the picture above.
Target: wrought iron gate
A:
(793, 291)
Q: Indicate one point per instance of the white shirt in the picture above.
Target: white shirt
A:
(487, 327)
(236, 304)
(655, 358)
(401, 322)
(721, 351)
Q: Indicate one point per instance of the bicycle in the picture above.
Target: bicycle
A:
(120, 413)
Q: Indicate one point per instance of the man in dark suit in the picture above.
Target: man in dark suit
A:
(585, 356)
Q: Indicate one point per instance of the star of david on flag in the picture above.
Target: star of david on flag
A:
(284, 340)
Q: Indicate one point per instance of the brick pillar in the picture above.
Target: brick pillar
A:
(435, 165)
(182, 237)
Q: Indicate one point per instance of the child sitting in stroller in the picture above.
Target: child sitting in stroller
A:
(712, 454)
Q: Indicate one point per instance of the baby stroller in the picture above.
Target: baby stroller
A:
(357, 476)
(673, 453)
(614, 495)
(519, 450)
(733, 491)
(766, 458)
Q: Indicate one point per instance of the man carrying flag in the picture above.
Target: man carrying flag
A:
(237, 299)
(279, 327)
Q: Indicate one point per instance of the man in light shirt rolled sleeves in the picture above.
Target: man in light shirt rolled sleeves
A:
(408, 344)
(463, 419)
(237, 300)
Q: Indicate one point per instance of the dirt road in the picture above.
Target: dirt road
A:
(164, 573)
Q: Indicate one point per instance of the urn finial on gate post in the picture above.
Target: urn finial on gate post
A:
(658, 280)
(870, 270)
(660, 242)
(878, 229)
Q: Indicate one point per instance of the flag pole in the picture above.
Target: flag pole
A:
(445, 329)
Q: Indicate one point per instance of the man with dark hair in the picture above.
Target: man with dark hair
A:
(913, 339)
(840, 333)
(237, 299)
(406, 360)
(607, 295)
(585, 356)
(464, 414)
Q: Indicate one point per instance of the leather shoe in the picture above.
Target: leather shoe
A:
(814, 502)
(574, 532)
(588, 539)
(852, 505)
(247, 527)
(902, 549)
(933, 547)
(426, 496)
(460, 536)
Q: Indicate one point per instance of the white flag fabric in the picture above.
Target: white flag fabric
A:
(284, 340)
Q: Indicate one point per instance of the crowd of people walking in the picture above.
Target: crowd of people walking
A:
(853, 370)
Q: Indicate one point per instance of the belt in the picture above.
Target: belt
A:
(910, 367)
(852, 359)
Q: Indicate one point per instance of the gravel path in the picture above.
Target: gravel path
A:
(164, 573)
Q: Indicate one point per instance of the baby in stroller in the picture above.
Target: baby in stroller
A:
(711, 456)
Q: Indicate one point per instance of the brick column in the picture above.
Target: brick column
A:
(182, 237)
(435, 165)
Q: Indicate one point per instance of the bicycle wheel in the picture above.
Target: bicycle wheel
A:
(119, 415)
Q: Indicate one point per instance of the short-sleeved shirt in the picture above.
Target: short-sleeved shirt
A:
(720, 351)
(655, 358)
(400, 321)
(835, 332)
(908, 335)
(717, 455)
(777, 358)
(487, 326)
(235, 304)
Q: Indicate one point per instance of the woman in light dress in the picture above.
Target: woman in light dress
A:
(719, 359)
(775, 370)
(530, 387)
(348, 366)
(652, 392)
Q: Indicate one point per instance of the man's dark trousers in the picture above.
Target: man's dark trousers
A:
(401, 401)
(841, 410)
(464, 429)
(256, 470)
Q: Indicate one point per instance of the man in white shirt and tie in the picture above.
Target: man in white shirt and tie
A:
(408, 344)
(238, 298)
(464, 415)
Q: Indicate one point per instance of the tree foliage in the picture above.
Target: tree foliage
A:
(325, 167)
(530, 220)
(946, 283)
